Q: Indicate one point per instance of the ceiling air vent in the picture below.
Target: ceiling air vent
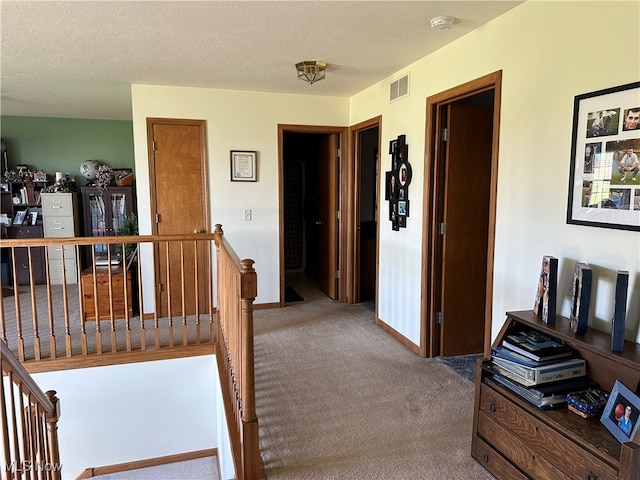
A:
(399, 88)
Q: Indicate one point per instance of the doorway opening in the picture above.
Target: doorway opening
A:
(310, 203)
(459, 233)
(365, 141)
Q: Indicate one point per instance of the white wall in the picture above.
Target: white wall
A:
(548, 55)
(123, 413)
(235, 121)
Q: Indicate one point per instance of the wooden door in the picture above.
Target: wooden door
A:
(178, 177)
(328, 215)
(466, 219)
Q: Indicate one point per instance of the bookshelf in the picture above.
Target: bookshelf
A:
(516, 440)
(24, 197)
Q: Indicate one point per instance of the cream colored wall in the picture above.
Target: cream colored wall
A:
(235, 120)
(549, 52)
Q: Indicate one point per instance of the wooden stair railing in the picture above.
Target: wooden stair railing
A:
(51, 326)
(237, 290)
(29, 424)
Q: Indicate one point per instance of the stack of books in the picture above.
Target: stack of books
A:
(539, 368)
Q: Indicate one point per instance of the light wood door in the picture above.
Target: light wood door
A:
(466, 219)
(328, 215)
(179, 203)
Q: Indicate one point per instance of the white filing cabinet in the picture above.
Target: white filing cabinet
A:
(61, 219)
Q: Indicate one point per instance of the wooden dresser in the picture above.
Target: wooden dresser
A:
(516, 440)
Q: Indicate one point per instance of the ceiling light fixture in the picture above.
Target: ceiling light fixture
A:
(311, 71)
(442, 22)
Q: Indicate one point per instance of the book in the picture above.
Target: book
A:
(545, 304)
(548, 401)
(581, 298)
(536, 346)
(503, 352)
(619, 311)
(554, 395)
(561, 370)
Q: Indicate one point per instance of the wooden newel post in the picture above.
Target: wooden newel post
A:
(52, 434)
(249, 291)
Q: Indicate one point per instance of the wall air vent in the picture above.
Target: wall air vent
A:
(399, 88)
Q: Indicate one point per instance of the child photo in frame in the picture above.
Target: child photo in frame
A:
(621, 414)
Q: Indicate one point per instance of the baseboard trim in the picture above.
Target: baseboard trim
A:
(149, 462)
(399, 337)
(118, 358)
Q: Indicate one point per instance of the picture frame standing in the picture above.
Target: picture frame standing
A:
(620, 416)
(21, 215)
(244, 166)
(604, 179)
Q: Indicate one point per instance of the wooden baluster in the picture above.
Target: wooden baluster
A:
(52, 434)
(112, 309)
(65, 299)
(16, 299)
(196, 275)
(34, 307)
(52, 335)
(143, 332)
(96, 303)
(83, 331)
(127, 289)
(3, 324)
(210, 296)
(169, 305)
(4, 417)
(183, 307)
(158, 300)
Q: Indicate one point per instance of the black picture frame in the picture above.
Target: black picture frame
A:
(606, 124)
(580, 299)
(244, 165)
(621, 395)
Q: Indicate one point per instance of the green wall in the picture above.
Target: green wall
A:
(62, 144)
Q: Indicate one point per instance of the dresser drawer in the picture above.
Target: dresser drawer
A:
(55, 252)
(34, 231)
(59, 227)
(517, 451)
(56, 271)
(57, 204)
(493, 461)
(541, 439)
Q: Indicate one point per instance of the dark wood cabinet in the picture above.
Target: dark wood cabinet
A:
(21, 271)
(104, 211)
(514, 439)
(24, 197)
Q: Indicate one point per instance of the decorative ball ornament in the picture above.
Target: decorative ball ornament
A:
(89, 169)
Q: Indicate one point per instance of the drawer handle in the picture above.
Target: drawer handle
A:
(57, 228)
(492, 407)
(592, 476)
(485, 457)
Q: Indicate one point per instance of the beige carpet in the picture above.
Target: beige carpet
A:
(338, 398)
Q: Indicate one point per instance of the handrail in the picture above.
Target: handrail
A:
(29, 424)
(237, 290)
(163, 300)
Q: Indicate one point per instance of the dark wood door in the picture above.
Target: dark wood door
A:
(466, 219)
(179, 202)
(328, 219)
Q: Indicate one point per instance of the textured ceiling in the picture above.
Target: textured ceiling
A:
(78, 59)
